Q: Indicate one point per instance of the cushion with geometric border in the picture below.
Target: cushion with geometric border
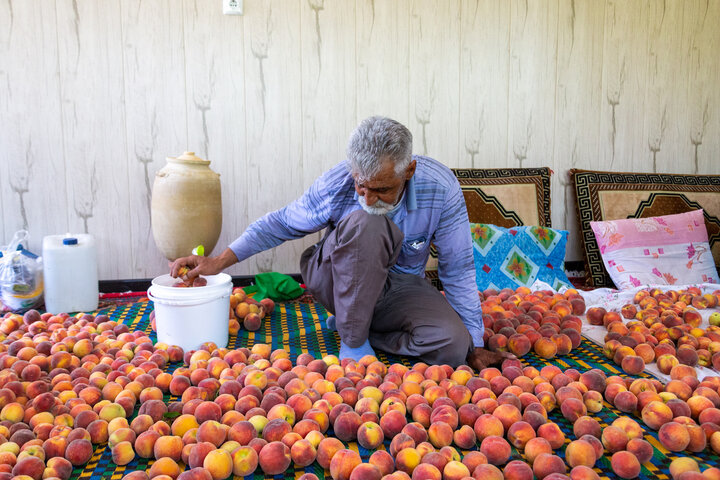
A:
(603, 196)
(518, 256)
(501, 196)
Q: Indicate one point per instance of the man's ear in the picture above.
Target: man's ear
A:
(410, 171)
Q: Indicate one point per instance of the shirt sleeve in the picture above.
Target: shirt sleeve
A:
(456, 267)
(308, 214)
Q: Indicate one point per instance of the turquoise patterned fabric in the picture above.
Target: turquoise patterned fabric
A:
(517, 256)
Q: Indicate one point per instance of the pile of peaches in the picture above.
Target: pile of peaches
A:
(522, 320)
(663, 327)
(71, 385)
(247, 311)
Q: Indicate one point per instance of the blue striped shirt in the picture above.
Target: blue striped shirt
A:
(432, 210)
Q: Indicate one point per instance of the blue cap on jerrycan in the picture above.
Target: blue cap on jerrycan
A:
(70, 241)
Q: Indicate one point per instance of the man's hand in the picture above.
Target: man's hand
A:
(481, 358)
(202, 265)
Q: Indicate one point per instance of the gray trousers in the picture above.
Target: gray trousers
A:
(348, 272)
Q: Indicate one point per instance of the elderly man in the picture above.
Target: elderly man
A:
(382, 208)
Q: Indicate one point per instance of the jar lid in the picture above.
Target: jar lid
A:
(189, 157)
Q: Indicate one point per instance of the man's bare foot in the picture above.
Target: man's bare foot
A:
(481, 358)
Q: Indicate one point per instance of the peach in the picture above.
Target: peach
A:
(518, 470)
(487, 472)
(343, 463)
(587, 426)
(383, 461)
(507, 414)
(168, 446)
(656, 414)
(595, 315)
(674, 437)
(472, 459)
(552, 433)
(58, 467)
(370, 435)
(272, 431)
(407, 459)
(496, 450)
(212, 432)
(633, 364)
(440, 434)
(545, 348)
(123, 453)
(580, 452)
(642, 449)
(614, 439)
(303, 453)
(488, 425)
(464, 437)
(535, 447)
(31, 467)
(698, 440)
(426, 471)
(219, 464)
(164, 466)
(327, 449)
(629, 426)
(546, 464)
(681, 465)
(198, 452)
(572, 409)
(78, 452)
(625, 465)
(55, 446)
(519, 434)
(581, 472)
(145, 443)
(455, 470)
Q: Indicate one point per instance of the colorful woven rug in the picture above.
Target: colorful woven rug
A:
(300, 327)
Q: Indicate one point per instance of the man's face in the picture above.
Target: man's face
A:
(378, 195)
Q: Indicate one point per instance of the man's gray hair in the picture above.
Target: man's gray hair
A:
(377, 139)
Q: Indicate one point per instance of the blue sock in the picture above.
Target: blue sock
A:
(356, 353)
(330, 322)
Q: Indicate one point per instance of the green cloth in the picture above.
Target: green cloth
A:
(277, 286)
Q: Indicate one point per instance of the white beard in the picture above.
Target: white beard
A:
(379, 208)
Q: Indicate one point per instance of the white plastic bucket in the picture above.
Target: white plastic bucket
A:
(189, 317)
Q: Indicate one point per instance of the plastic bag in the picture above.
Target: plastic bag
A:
(21, 279)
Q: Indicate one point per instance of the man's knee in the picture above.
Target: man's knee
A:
(450, 342)
(456, 352)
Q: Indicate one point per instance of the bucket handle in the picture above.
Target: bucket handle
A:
(184, 303)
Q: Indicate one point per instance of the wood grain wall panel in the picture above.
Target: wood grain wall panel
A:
(328, 89)
(533, 59)
(484, 82)
(577, 106)
(434, 79)
(33, 193)
(94, 128)
(623, 146)
(702, 35)
(216, 111)
(274, 164)
(94, 96)
(156, 127)
(382, 54)
(668, 147)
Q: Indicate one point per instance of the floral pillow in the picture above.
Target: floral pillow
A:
(518, 256)
(667, 250)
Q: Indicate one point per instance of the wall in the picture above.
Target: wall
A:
(94, 96)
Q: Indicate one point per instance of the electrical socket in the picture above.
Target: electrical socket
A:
(232, 7)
